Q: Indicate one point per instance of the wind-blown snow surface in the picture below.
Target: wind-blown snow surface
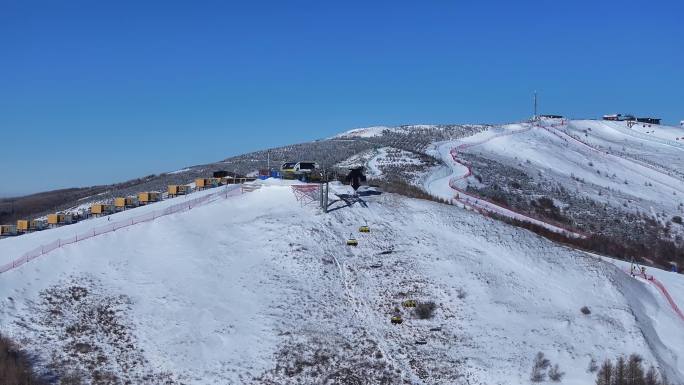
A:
(257, 288)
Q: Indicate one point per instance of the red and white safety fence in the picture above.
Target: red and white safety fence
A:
(663, 290)
(113, 226)
(465, 198)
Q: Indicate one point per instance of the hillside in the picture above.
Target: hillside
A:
(329, 153)
(619, 188)
(258, 289)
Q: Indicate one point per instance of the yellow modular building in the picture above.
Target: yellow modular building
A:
(122, 203)
(6, 230)
(148, 197)
(60, 219)
(24, 226)
(119, 203)
(100, 209)
(175, 190)
(202, 183)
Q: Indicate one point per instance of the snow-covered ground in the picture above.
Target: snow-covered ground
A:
(605, 161)
(375, 131)
(260, 289)
(179, 171)
(13, 247)
(382, 162)
(365, 132)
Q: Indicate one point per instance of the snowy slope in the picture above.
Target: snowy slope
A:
(259, 289)
(14, 247)
(604, 161)
(375, 131)
(386, 162)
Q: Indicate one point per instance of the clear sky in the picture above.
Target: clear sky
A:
(102, 91)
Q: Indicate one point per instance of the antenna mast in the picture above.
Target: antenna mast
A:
(535, 105)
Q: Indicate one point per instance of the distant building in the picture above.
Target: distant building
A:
(551, 116)
(618, 117)
(631, 118)
(649, 120)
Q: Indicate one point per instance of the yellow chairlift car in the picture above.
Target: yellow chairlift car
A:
(409, 303)
(364, 229)
(396, 320)
(352, 241)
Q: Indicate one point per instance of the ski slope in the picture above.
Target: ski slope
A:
(605, 161)
(450, 184)
(257, 288)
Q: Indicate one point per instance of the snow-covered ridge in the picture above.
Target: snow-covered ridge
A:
(365, 132)
(377, 131)
(230, 291)
(608, 162)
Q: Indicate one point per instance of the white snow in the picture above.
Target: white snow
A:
(218, 291)
(232, 290)
(375, 160)
(590, 157)
(179, 171)
(366, 132)
(11, 248)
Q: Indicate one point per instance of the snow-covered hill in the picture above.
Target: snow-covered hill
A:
(591, 164)
(260, 289)
(572, 177)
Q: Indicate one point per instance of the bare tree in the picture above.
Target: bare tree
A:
(541, 364)
(605, 374)
(555, 374)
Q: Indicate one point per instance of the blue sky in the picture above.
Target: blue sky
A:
(98, 92)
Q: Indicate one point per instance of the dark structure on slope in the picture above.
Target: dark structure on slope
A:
(356, 177)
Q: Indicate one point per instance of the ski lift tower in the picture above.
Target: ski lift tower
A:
(535, 106)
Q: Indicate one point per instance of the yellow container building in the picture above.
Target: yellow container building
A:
(100, 209)
(148, 197)
(59, 219)
(124, 203)
(202, 183)
(175, 190)
(22, 226)
(119, 203)
(53, 219)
